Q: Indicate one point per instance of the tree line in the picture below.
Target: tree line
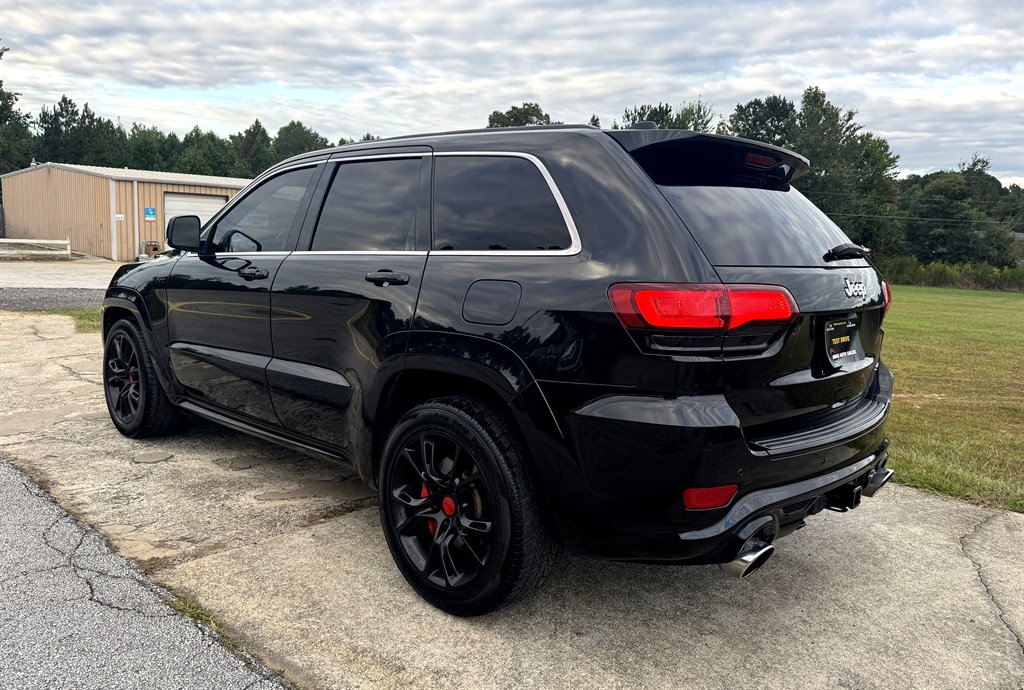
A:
(66, 134)
(959, 215)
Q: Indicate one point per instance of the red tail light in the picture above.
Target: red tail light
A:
(888, 297)
(756, 160)
(711, 497)
(709, 307)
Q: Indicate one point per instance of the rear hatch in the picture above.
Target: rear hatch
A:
(812, 379)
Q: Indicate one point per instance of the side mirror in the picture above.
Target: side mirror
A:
(183, 233)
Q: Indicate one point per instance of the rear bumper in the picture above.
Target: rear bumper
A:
(770, 500)
(769, 514)
(781, 509)
(621, 496)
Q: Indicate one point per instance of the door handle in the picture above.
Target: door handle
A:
(253, 273)
(384, 278)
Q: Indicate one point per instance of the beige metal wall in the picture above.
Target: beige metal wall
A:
(150, 195)
(54, 204)
(123, 206)
(153, 194)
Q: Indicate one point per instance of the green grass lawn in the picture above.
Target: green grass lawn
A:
(86, 320)
(957, 422)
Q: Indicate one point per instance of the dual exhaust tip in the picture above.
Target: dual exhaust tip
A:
(758, 548)
(754, 553)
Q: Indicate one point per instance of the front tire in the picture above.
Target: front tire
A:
(459, 509)
(137, 404)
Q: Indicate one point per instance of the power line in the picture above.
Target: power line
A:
(939, 220)
(1000, 202)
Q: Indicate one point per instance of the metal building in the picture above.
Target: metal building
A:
(108, 212)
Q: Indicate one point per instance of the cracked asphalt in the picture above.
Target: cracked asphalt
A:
(74, 615)
(1009, 619)
(909, 591)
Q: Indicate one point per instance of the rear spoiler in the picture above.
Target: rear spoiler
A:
(713, 158)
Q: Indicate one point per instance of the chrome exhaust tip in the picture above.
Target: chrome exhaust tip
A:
(752, 555)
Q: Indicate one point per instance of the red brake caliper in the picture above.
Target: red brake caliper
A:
(431, 522)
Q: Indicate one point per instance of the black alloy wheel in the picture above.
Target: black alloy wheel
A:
(121, 379)
(442, 509)
(459, 509)
(137, 404)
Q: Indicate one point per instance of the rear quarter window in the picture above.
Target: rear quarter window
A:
(494, 203)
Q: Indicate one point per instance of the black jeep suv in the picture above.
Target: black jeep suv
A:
(641, 344)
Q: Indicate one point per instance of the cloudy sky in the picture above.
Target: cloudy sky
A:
(940, 80)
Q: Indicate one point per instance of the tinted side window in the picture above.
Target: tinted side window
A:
(263, 220)
(494, 203)
(371, 207)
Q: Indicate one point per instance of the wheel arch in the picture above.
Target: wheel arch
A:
(429, 376)
(128, 304)
(122, 302)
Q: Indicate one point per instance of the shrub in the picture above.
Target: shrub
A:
(905, 270)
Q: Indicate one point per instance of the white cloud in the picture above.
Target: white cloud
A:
(939, 80)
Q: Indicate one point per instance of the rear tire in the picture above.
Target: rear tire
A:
(137, 404)
(459, 509)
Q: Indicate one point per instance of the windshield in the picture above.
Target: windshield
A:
(745, 226)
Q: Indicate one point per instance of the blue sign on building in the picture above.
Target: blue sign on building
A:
(150, 215)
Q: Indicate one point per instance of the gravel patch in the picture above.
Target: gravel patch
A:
(40, 299)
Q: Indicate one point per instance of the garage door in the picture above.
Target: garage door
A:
(202, 205)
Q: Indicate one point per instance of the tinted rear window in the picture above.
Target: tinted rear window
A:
(371, 207)
(494, 203)
(745, 226)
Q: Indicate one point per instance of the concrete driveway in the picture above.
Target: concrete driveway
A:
(41, 285)
(91, 273)
(909, 591)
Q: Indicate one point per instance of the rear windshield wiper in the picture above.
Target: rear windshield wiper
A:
(846, 251)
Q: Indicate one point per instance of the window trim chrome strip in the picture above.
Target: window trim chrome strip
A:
(229, 255)
(575, 244)
(363, 252)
